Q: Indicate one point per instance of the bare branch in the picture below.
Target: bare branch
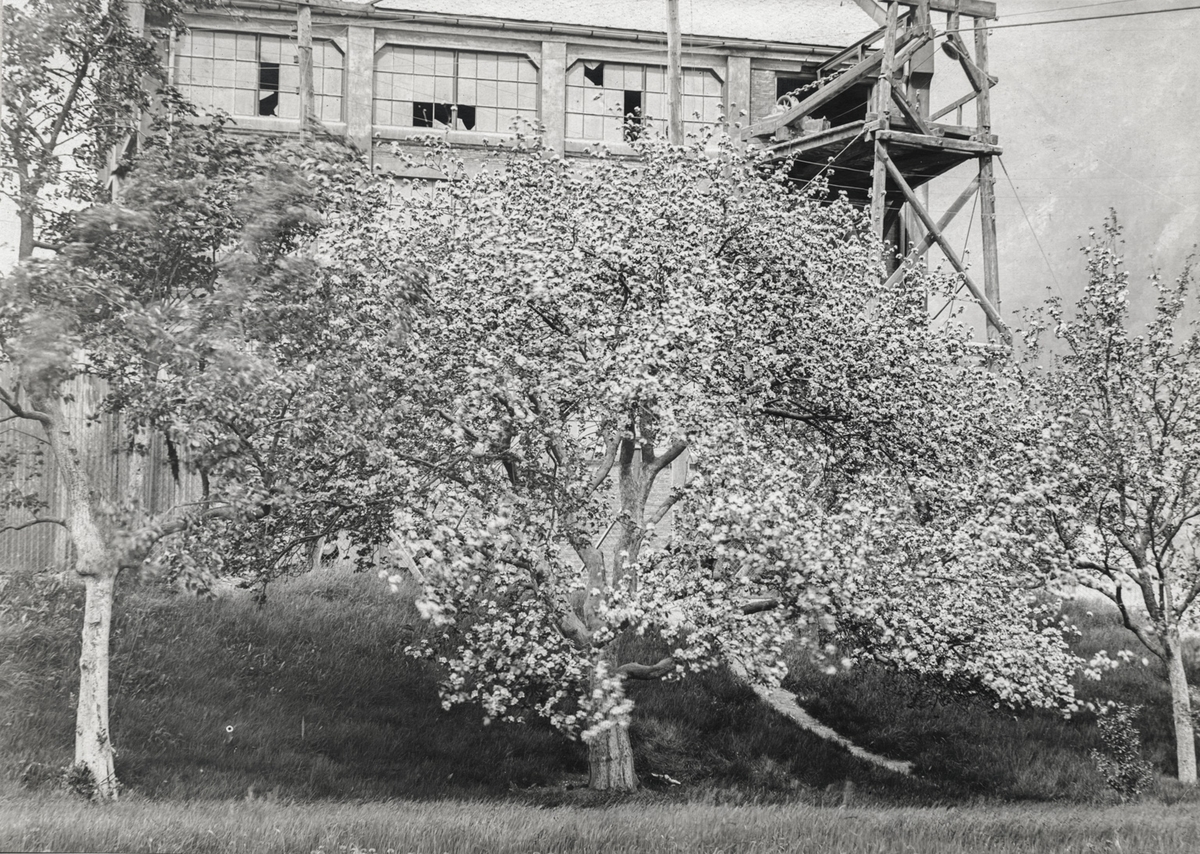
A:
(32, 522)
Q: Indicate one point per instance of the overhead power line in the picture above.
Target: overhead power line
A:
(1094, 17)
(1008, 15)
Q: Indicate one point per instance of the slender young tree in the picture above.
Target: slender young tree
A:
(1120, 452)
(78, 75)
(221, 309)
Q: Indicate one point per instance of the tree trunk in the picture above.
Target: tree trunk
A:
(610, 761)
(96, 564)
(27, 233)
(1181, 707)
(93, 744)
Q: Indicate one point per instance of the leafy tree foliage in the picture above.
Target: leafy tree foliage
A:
(593, 325)
(225, 306)
(1120, 455)
(77, 76)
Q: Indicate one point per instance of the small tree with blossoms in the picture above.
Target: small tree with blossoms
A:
(1119, 451)
(595, 323)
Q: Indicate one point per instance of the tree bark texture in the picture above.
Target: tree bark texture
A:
(1181, 708)
(610, 761)
(93, 742)
(97, 565)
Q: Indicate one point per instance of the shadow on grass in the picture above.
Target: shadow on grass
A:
(312, 698)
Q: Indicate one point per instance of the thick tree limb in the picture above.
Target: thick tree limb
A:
(606, 464)
(10, 400)
(665, 508)
(757, 606)
(662, 461)
(634, 670)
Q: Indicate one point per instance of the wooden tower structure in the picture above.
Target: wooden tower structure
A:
(885, 158)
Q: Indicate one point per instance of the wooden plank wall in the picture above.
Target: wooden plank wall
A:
(106, 453)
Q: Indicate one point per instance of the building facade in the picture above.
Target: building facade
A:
(469, 72)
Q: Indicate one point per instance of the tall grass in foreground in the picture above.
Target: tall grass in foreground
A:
(399, 827)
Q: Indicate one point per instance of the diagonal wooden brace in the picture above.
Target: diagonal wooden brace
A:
(979, 79)
(853, 75)
(928, 240)
(989, 310)
(909, 111)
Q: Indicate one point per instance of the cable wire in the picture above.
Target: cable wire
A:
(1029, 222)
(1065, 8)
(1093, 18)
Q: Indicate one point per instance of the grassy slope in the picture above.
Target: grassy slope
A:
(975, 748)
(326, 707)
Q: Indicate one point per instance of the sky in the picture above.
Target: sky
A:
(1092, 116)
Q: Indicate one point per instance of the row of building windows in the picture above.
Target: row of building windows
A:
(258, 75)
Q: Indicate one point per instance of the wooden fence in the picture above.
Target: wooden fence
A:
(106, 450)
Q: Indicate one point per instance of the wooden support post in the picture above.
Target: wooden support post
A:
(883, 107)
(989, 310)
(674, 75)
(987, 184)
(304, 51)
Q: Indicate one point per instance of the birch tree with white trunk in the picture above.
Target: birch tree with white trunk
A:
(212, 308)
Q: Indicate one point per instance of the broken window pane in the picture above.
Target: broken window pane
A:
(256, 75)
(632, 112)
(491, 90)
(422, 114)
(268, 105)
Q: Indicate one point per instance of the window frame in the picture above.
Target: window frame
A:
(520, 52)
(714, 65)
(257, 121)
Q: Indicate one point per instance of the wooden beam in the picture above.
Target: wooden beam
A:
(304, 50)
(979, 78)
(801, 144)
(928, 240)
(878, 13)
(883, 90)
(674, 75)
(966, 146)
(855, 49)
(910, 112)
(987, 184)
(960, 102)
(770, 124)
(970, 8)
(989, 310)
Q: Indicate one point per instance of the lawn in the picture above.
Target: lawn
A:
(448, 827)
(340, 745)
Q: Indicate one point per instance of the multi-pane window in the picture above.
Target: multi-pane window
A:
(459, 89)
(618, 102)
(245, 74)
